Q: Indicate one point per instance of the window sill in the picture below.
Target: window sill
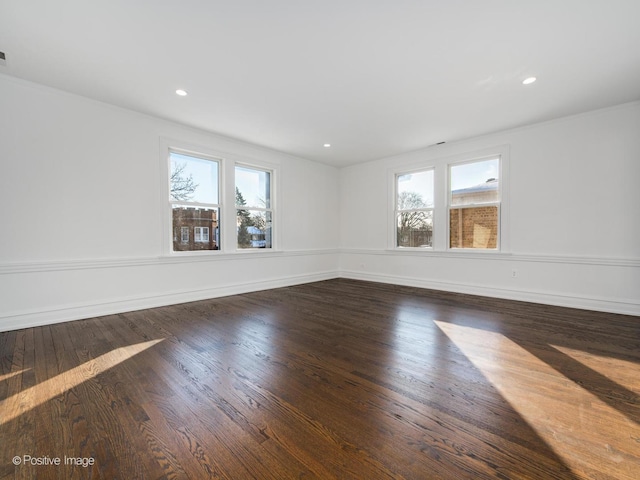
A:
(219, 254)
(451, 253)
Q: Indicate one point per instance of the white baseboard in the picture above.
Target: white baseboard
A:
(35, 318)
(625, 307)
(64, 313)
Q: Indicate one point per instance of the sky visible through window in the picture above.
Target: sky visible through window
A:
(417, 182)
(204, 174)
(462, 176)
(471, 174)
(253, 184)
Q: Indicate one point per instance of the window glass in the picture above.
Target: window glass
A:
(201, 234)
(414, 229)
(415, 190)
(254, 186)
(194, 200)
(414, 209)
(254, 213)
(254, 229)
(474, 211)
(473, 227)
(193, 179)
(477, 182)
(194, 224)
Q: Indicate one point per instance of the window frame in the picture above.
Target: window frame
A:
(184, 238)
(199, 155)
(497, 204)
(271, 209)
(198, 236)
(441, 234)
(226, 235)
(397, 211)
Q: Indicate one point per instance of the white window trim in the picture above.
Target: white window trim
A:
(440, 165)
(226, 193)
(167, 146)
(275, 230)
(172, 203)
(426, 209)
(198, 234)
(183, 236)
(498, 204)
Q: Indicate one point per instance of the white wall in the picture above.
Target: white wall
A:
(81, 221)
(574, 224)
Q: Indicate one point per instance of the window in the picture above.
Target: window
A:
(194, 200)
(214, 204)
(457, 203)
(184, 234)
(201, 234)
(414, 205)
(474, 204)
(254, 209)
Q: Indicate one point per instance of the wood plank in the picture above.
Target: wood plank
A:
(334, 379)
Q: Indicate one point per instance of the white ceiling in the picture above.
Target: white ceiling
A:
(372, 77)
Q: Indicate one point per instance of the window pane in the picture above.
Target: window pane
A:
(414, 229)
(193, 179)
(473, 227)
(415, 190)
(253, 188)
(201, 234)
(477, 182)
(195, 228)
(254, 229)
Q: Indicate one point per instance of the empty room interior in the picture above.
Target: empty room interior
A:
(351, 240)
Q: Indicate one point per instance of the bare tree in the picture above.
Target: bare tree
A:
(414, 225)
(182, 187)
(259, 221)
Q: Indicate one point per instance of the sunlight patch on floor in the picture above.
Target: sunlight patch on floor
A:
(622, 372)
(585, 433)
(7, 376)
(23, 401)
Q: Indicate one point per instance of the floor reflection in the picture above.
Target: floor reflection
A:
(467, 415)
(624, 373)
(561, 412)
(29, 398)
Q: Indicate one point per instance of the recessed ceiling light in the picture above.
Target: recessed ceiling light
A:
(182, 93)
(529, 80)
(326, 145)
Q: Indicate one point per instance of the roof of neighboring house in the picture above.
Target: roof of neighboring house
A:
(488, 186)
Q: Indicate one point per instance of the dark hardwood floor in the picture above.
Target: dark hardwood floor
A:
(337, 379)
